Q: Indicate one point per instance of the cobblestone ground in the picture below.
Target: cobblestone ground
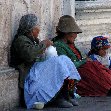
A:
(85, 104)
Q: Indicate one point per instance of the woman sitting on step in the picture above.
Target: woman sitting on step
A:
(95, 78)
(48, 80)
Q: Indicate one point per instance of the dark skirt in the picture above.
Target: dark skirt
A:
(95, 79)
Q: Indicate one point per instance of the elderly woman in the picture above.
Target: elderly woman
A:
(43, 80)
(95, 78)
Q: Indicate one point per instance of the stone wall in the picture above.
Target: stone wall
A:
(94, 18)
(11, 11)
(9, 93)
(93, 21)
(5, 30)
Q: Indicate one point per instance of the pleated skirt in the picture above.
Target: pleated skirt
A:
(46, 78)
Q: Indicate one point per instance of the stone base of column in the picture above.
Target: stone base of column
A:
(9, 92)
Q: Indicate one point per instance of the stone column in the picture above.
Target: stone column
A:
(68, 7)
(19, 8)
(49, 12)
(8, 76)
(5, 30)
(11, 11)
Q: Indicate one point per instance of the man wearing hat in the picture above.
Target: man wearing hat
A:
(91, 83)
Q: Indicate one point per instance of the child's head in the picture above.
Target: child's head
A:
(102, 52)
(99, 45)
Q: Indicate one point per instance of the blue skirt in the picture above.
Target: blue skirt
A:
(46, 78)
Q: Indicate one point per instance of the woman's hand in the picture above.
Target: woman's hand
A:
(47, 42)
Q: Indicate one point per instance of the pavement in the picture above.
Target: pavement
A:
(85, 104)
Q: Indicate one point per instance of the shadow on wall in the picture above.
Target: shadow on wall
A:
(84, 47)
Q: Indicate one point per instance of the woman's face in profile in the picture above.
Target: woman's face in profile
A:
(71, 37)
(102, 52)
(35, 31)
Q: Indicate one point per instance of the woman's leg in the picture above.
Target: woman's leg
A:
(71, 87)
(57, 69)
(21, 95)
(109, 93)
(67, 91)
(62, 98)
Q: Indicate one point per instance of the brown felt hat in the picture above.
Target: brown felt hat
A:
(67, 24)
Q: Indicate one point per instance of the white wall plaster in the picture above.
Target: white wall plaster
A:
(19, 8)
(94, 18)
(27, 3)
(49, 12)
(92, 22)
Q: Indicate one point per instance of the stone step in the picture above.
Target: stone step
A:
(89, 14)
(85, 104)
(9, 93)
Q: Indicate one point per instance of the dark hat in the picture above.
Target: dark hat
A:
(67, 24)
(100, 42)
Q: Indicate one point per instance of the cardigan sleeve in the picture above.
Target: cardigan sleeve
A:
(61, 50)
(79, 63)
(27, 51)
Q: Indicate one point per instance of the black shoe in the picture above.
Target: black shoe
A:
(109, 93)
(74, 102)
(62, 103)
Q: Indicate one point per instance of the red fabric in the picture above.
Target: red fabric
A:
(96, 79)
(74, 49)
(70, 84)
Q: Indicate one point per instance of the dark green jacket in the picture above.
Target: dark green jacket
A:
(64, 49)
(25, 53)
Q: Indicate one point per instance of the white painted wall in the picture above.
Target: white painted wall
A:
(49, 12)
(94, 18)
